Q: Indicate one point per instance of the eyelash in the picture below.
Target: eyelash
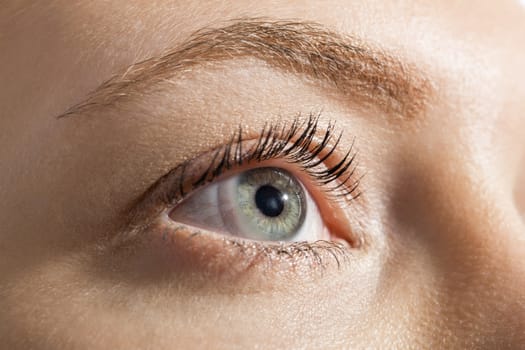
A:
(294, 144)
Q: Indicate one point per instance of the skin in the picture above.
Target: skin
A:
(442, 211)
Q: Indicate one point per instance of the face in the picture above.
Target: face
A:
(262, 173)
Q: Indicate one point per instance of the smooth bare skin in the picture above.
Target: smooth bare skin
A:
(443, 204)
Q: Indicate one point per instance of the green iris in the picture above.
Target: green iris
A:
(272, 203)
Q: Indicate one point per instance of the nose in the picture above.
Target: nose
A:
(465, 230)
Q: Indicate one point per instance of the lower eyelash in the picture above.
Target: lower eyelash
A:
(315, 255)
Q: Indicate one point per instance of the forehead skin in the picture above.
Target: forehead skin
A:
(466, 155)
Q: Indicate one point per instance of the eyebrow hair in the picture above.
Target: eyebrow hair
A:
(369, 76)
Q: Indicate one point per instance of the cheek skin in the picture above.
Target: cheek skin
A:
(96, 304)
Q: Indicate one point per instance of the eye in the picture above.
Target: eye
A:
(264, 203)
(286, 183)
(281, 199)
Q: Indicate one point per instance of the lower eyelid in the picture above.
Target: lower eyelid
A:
(180, 251)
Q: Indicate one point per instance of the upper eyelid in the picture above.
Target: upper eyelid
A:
(370, 75)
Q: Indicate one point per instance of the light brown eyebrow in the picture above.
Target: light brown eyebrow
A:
(368, 76)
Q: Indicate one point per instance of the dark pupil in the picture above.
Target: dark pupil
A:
(269, 200)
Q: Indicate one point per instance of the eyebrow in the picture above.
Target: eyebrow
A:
(368, 76)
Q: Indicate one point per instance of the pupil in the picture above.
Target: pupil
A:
(269, 200)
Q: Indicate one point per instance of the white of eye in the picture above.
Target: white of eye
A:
(266, 204)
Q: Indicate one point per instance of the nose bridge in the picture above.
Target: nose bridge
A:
(475, 245)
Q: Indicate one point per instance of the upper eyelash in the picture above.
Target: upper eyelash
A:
(294, 144)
